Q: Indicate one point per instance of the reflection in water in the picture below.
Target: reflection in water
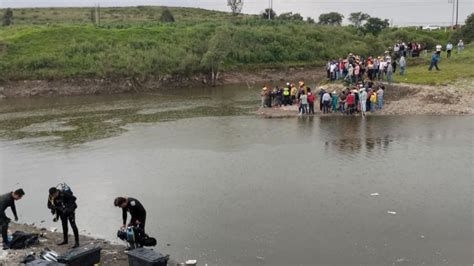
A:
(352, 135)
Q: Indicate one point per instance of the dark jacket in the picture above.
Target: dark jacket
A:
(136, 209)
(6, 201)
(64, 204)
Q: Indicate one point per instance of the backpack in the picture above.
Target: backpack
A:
(136, 237)
(22, 240)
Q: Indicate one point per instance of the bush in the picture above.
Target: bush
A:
(167, 16)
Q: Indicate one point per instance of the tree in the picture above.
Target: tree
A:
(219, 47)
(375, 25)
(8, 17)
(310, 20)
(467, 31)
(332, 18)
(167, 16)
(290, 16)
(267, 12)
(358, 18)
(236, 6)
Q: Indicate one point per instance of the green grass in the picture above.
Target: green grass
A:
(458, 67)
(58, 43)
(114, 15)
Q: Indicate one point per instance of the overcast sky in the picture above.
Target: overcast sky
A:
(401, 12)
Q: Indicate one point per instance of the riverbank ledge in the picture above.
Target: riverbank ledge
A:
(403, 99)
(111, 254)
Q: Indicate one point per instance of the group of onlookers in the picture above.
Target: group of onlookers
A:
(358, 99)
(355, 68)
(436, 56)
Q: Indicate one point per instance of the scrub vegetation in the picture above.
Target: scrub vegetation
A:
(59, 43)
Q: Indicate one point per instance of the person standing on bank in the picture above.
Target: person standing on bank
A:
(62, 204)
(8, 200)
(449, 48)
(136, 209)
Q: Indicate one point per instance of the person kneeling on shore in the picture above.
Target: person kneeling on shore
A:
(135, 208)
(8, 200)
(62, 204)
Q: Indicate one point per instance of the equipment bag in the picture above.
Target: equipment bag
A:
(22, 240)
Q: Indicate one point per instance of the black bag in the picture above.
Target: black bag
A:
(149, 241)
(22, 240)
(136, 237)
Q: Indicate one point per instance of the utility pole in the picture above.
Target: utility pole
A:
(457, 12)
(270, 9)
(452, 15)
(99, 15)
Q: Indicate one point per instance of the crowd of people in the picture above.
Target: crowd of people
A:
(360, 98)
(362, 76)
(355, 68)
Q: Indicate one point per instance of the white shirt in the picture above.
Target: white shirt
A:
(439, 47)
(326, 97)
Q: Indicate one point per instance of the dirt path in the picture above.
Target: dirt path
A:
(111, 254)
(406, 99)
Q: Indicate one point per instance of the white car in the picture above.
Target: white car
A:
(431, 27)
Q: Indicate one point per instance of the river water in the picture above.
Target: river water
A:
(228, 188)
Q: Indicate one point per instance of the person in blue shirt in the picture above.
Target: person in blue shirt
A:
(434, 61)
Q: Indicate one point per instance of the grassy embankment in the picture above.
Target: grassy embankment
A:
(57, 43)
(458, 67)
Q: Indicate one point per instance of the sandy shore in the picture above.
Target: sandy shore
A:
(405, 99)
(111, 254)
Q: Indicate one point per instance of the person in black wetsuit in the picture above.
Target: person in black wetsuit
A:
(63, 205)
(136, 209)
(8, 200)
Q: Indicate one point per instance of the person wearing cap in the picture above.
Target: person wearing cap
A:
(320, 97)
(438, 49)
(310, 102)
(334, 99)
(264, 95)
(460, 46)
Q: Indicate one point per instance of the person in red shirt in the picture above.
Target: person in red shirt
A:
(310, 102)
(350, 103)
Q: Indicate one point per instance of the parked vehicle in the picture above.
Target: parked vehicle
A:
(431, 27)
